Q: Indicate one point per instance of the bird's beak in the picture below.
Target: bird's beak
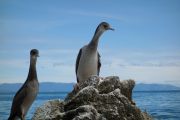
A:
(38, 56)
(111, 29)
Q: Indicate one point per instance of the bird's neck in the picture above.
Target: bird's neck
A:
(95, 40)
(32, 75)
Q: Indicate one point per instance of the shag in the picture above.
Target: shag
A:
(88, 60)
(26, 95)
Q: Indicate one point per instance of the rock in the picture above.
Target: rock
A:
(49, 110)
(96, 99)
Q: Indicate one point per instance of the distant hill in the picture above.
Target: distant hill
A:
(44, 87)
(66, 87)
(155, 87)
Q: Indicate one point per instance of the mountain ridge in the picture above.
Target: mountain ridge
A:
(155, 87)
(67, 87)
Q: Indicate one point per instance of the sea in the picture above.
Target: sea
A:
(161, 105)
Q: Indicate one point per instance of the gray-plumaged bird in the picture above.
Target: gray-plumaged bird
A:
(88, 60)
(28, 92)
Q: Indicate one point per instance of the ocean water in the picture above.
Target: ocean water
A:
(164, 105)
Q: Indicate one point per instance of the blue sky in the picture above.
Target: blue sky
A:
(145, 45)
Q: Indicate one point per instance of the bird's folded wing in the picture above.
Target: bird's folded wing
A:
(20, 95)
(77, 61)
(99, 63)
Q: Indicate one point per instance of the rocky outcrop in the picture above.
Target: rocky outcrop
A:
(96, 99)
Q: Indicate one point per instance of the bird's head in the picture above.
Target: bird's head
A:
(34, 53)
(104, 26)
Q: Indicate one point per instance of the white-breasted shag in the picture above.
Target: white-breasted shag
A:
(88, 60)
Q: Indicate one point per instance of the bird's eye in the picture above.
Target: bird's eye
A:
(33, 53)
(105, 26)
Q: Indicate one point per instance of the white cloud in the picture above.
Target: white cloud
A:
(144, 74)
(17, 63)
(58, 65)
(142, 70)
(58, 51)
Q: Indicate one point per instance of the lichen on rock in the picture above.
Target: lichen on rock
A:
(96, 99)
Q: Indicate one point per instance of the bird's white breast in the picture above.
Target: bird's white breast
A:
(87, 64)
